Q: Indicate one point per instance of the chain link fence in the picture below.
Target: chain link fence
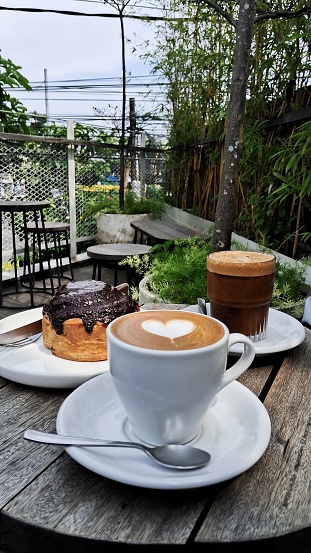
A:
(39, 171)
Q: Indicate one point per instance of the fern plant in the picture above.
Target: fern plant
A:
(177, 269)
(290, 287)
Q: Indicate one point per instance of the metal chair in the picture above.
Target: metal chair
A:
(49, 237)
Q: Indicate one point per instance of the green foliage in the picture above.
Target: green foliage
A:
(178, 273)
(292, 165)
(109, 203)
(150, 204)
(290, 285)
(13, 117)
(277, 185)
(141, 263)
(195, 56)
(178, 269)
(82, 132)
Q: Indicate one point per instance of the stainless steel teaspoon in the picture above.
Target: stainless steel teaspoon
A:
(202, 306)
(172, 456)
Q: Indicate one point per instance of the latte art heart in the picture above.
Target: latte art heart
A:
(167, 330)
(175, 328)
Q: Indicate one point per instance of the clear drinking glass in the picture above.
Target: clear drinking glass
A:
(240, 288)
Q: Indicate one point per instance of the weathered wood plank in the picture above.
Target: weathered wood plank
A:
(53, 504)
(52, 501)
(41, 485)
(70, 499)
(3, 382)
(161, 231)
(255, 378)
(273, 498)
(22, 407)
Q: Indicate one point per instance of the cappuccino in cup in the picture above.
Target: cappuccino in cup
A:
(168, 332)
(240, 288)
(167, 367)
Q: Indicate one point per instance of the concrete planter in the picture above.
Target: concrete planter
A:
(145, 296)
(115, 228)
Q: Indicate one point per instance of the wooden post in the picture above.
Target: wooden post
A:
(143, 165)
(72, 192)
(122, 139)
(132, 139)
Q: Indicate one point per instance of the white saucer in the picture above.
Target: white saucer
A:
(35, 365)
(236, 432)
(284, 332)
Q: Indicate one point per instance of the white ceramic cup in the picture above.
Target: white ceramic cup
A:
(167, 368)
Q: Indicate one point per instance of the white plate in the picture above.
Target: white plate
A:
(236, 432)
(284, 332)
(35, 365)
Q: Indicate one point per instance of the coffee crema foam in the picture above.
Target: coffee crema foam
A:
(167, 330)
(241, 263)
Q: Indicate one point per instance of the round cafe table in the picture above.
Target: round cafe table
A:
(109, 256)
(51, 503)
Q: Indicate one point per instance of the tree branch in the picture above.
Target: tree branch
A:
(218, 9)
(267, 15)
(288, 14)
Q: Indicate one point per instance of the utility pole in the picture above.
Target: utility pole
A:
(132, 140)
(46, 94)
(143, 166)
(122, 141)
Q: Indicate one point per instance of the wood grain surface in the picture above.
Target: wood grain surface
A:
(273, 497)
(50, 503)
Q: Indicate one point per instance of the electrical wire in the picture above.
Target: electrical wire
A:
(146, 17)
(99, 90)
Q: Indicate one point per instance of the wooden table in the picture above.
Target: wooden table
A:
(51, 504)
(109, 256)
(157, 232)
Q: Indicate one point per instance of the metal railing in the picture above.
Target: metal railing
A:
(68, 177)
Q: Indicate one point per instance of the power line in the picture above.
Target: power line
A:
(145, 18)
(104, 86)
(149, 7)
(93, 79)
(89, 88)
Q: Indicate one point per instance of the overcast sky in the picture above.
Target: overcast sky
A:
(71, 48)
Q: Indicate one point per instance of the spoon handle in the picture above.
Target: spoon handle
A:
(56, 439)
(202, 306)
(171, 456)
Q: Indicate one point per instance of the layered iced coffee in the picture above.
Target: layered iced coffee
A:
(240, 288)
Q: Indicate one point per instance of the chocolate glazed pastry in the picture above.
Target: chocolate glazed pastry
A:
(75, 319)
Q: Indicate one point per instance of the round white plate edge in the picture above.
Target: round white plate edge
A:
(178, 480)
(19, 319)
(70, 379)
(260, 347)
(57, 381)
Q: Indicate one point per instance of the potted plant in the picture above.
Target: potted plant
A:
(113, 223)
(291, 288)
(175, 272)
